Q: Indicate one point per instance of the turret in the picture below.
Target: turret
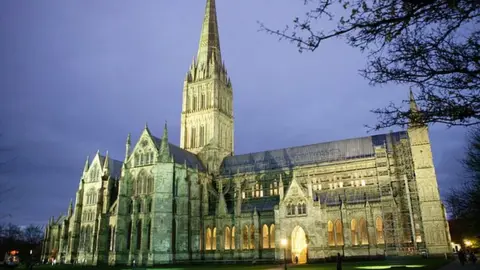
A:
(164, 153)
(106, 167)
(87, 165)
(70, 208)
(127, 148)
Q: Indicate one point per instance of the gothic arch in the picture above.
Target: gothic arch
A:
(299, 245)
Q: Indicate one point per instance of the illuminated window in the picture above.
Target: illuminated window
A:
(363, 232)
(228, 238)
(214, 239)
(339, 233)
(331, 235)
(379, 230)
(272, 236)
(208, 240)
(265, 242)
(233, 237)
(353, 228)
(243, 194)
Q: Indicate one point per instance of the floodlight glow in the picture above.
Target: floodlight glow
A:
(283, 242)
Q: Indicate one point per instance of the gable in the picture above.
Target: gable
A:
(295, 190)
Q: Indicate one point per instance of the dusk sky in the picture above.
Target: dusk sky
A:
(77, 76)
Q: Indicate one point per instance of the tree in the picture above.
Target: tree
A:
(33, 234)
(431, 45)
(463, 202)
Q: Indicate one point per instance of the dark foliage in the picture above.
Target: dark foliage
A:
(430, 45)
(464, 202)
(12, 237)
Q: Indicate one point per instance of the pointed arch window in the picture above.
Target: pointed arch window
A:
(214, 238)
(339, 233)
(272, 236)
(202, 101)
(193, 142)
(194, 103)
(331, 235)
(379, 231)
(208, 240)
(228, 238)
(149, 235)
(233, 237)
(252, 237)
(354, 232)
(265, 238)
(363, 232)
(202, 136)
(139, 234)
(129, 235)
(245, 241)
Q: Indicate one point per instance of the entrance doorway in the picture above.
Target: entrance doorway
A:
(299, 245)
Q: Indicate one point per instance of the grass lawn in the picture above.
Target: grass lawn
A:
(411, 264)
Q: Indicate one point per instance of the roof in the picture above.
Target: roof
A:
(114, 166)
(180, 155)
(261, 204)
(309, 154)
(352, 196)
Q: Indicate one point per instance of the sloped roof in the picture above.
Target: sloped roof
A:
(309, 154)
(114, 166)
(181, 155)
(261, 204)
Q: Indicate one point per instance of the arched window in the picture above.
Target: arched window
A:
(233, 237)
(130, 207)
(208, 240)
(139, 234)
(129, 235)
(228, 237)
(331, 236)
(150, 181)
(139, 206)
(272, 236)
(353, 229)
(214, 239)
(363, 232)
(265, 242)
(252, 237)
(202, 136)
(339, 233)
(194, 103)
(245, 234)
(202, 101)
(379, 231)
(193, 141)
(149, 234)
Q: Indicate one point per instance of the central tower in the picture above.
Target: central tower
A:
(207, 109)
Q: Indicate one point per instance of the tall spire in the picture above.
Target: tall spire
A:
(209, 47)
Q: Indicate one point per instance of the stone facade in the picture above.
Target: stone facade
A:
(162, 204)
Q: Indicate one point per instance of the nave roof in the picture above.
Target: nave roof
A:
(309, 154)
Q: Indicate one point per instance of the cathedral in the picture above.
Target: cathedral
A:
(199, 202)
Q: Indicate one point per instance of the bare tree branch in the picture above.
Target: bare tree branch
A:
(431, 45)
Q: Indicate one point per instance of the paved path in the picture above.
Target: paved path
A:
(457, 266)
